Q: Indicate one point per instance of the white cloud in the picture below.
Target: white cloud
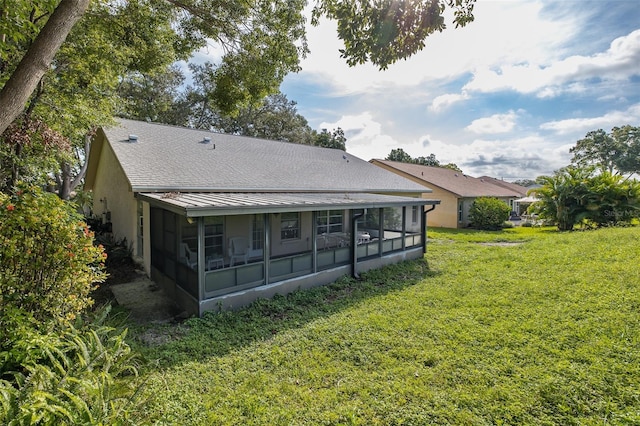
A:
(481, 44)
(618, 62)
(606, 121)
(497, 123)
(444, 101)
(365, 138)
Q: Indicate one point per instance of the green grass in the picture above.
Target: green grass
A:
(542, 332)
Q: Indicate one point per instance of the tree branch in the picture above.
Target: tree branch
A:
(35, 63)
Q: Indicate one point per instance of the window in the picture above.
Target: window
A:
(460, 206)
(415, 214)
(329, 222)
(213, 236)
(290, 226)
(257, 240)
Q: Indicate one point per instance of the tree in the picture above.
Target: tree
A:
(611, 200)
(334, 139)
(430, 160)
(276, 118)
(79, 90)
(452, 166)
(262, 42)
(400, 156)
(488, 213)
(525, 182)
(384, 32)
(562, 197)
(617, 152)
(37, 59)
(151, 96)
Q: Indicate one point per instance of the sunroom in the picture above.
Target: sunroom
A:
(223, 250)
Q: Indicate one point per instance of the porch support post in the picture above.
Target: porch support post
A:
(314, 242)
(201, 261)
(404, 228)
(380, 232)
(354, 240)
(267, 245)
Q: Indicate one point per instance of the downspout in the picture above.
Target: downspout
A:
(354, 247)
(424, 228)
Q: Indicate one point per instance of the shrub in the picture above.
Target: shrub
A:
(488, 213)
(48, 262)
(69, 377)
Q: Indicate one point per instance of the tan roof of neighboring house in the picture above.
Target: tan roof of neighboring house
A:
(169, 158)
(521, 190)
(450, 180)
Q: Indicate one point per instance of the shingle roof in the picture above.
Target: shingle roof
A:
(450, 180)
(521, 190)
(167, 158)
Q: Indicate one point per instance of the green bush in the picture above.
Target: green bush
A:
(70, 377)
(488, 213)
(48, 262)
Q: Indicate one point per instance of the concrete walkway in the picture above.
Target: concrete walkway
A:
(145, 301)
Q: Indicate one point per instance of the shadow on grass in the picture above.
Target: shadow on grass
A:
(216, 334)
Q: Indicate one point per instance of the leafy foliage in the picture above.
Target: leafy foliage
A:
(69, 377)
(577, 195)
(30, 149)
(335, 139)
(386, 31)
(616, 152)
(48, 263)
(488, 213)
(561, 197)
(399, 155)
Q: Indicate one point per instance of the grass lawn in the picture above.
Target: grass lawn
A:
(522, 326)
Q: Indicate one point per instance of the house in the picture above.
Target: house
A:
(455, 190)
(518, 189)
(220, 220)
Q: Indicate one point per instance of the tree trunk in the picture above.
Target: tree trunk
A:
(35, 63)
(66, 184)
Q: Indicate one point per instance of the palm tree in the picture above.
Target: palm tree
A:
(563, 197)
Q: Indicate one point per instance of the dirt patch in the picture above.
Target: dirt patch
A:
(145, 301)
(503, 244)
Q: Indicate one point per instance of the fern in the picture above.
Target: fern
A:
(74, 377)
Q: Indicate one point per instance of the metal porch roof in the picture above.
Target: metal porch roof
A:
(221, 204)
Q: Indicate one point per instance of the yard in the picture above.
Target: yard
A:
(523, 326)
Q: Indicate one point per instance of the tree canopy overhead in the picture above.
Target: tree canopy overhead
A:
(383, 32)
(261, 41)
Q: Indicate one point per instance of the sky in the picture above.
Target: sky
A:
(506, 96)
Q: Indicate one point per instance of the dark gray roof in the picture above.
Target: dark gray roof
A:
(210, 203)
(450, 180)
(167, 158)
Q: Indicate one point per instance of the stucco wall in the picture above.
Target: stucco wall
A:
(111, 193)
(446, 213)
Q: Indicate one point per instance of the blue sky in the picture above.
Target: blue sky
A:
(506, 96)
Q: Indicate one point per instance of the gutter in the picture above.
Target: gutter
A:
(424, 227)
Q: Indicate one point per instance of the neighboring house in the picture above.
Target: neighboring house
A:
(518, 189)
(220, 220)
(455, 190)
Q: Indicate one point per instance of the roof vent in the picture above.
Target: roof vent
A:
(206, 139)
(133, 138)
(456, 175)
